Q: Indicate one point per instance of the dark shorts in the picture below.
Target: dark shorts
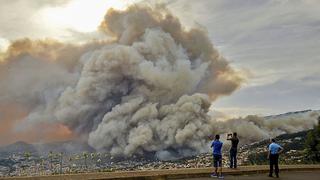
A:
(217, 160)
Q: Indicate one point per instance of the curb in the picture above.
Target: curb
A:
(169, 173)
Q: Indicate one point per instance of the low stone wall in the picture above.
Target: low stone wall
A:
(167, 174)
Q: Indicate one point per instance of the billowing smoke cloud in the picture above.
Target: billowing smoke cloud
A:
(33, 74)
(149, 90)
(137, 94)
(254, 128)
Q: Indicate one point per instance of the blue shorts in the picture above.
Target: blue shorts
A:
(217, 160)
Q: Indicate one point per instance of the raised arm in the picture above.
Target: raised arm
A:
(229, 137)
(280, 149)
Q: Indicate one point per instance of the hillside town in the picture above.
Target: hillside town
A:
(28, 164)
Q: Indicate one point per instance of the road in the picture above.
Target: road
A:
(311, 175)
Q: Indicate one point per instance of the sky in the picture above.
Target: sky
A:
(277, 42)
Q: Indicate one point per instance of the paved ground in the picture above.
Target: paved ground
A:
(314, 175)
(311, 172)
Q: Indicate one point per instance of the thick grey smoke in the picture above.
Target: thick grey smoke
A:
(254, 128)
(137, 94)
(149, 90)
(33, 74)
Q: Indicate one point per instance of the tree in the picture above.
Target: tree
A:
(70, 163)
(99, 163)
(27, 155)
(313, 143)
(42, 168)
(85, 156)
(50, 155)
(61, 158)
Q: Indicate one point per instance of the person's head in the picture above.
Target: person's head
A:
(272, 140)
(235, 134)
(217, 137)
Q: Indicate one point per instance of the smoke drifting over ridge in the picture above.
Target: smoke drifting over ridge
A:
(147, 90)
(255, 128)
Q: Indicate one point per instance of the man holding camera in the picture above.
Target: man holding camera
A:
(234, 149)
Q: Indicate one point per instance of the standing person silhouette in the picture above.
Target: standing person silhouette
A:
(217, 157)
(234, 149)
(273, 156)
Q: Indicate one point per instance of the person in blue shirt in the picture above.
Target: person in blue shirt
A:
(217, 156)
(273, 156)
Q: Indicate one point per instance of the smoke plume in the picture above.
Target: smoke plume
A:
(255, 128)
(33, 73)
(147, 90)
(140, 93)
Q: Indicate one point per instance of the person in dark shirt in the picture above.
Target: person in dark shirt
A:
(217, 157)
(234, 149)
